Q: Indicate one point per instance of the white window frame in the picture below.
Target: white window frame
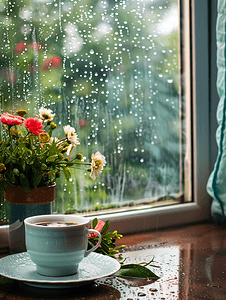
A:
(198, 210)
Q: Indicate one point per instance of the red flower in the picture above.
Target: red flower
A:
(34, 125)
(36, 46)
(20, 47)
(99, 227)
(10, 119)
(51, 62)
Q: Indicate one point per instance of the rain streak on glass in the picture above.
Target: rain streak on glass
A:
(109, 69)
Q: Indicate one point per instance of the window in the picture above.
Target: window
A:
(112, 70)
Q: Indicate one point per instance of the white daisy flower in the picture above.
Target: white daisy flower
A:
(71, 135)
(97, 165)
(73, 138)
(68, 129)
(70, 147)
(46, 114)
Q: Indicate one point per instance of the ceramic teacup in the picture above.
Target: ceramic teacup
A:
(57, 249)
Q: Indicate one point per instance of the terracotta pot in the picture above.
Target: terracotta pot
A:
(17, 195)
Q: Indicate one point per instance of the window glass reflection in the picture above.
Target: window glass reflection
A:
(111, 70)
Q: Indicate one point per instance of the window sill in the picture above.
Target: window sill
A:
(155, 218)
(142, 220)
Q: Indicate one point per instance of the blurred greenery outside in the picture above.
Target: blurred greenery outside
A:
(117, 83)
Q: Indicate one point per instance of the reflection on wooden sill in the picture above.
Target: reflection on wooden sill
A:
(192, 263)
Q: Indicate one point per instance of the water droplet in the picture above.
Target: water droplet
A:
(153, 290)
(140, 294)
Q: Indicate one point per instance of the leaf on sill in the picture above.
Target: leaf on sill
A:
(106, 227)
(94, 223)
(135, 270)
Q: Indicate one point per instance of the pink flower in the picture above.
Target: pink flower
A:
(20, 47)
(11, 120)
(51, 62)
(34, 125)
(99, 227)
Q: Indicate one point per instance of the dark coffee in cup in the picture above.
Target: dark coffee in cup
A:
(56, 224)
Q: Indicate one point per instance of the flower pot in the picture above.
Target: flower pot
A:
(22, 205)
(40, 195)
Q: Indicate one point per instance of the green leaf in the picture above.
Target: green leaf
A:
(94, 222)
(28, 150)
(25, 183)
(43, 166)
(52, 158)
(23, 165)
(50, 132)
(8, 160)
(31, 141)
(106, 227)
(105, 247)
(67, 173)
(135, 270)
(91, 245)
(37, 177)
(53, 149)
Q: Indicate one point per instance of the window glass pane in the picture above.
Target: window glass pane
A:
(111, 70)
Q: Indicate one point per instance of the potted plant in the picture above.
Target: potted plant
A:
(30, 161)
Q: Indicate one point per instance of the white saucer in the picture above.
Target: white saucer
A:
(20, 267)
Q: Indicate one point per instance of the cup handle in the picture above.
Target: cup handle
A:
(97, 245)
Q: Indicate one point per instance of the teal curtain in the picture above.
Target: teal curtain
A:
(216, 185)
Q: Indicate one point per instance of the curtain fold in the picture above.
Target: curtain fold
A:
(216, 185)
